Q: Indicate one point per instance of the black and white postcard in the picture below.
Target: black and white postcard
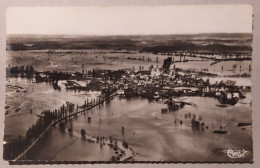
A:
(128, 84)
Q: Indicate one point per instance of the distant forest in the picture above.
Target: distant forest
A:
(215, 43)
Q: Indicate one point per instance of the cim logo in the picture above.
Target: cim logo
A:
(235, 153)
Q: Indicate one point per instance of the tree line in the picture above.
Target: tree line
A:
(21, 69)
(12, 149)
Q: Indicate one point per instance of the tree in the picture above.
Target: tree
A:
(151, 67)
(83, 132)
(166, 64)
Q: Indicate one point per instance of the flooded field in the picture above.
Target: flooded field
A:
(49, 147)
(221, 68)
(78, 60)
(23, 95)
(72, 60)
(152, 135)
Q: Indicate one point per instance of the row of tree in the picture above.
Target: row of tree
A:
(12, 149)
(20, 69)
(16, 147)
(19, 145)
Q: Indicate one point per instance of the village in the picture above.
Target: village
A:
(155, 83)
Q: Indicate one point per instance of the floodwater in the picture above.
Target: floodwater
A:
(35, 96)
(229, 67)
(65, 147)
(78, 60)
(152, 135)
(245, 81)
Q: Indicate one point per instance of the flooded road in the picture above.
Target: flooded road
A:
(23, 95)
(152, 135)
(58, 146)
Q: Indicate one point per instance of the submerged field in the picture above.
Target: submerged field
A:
(23, 95)
(155, 136)
(85, 60)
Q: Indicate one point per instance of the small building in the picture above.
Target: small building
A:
(121, 92)
(155, 72)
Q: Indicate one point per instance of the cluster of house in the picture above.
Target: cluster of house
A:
(156, 84)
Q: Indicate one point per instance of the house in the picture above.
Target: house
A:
(155, 72)
(120, 92)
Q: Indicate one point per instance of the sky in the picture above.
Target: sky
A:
(131, 20)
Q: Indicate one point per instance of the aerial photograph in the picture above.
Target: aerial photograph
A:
(129, 84)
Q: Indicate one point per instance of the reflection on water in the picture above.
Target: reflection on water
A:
(66, 147)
